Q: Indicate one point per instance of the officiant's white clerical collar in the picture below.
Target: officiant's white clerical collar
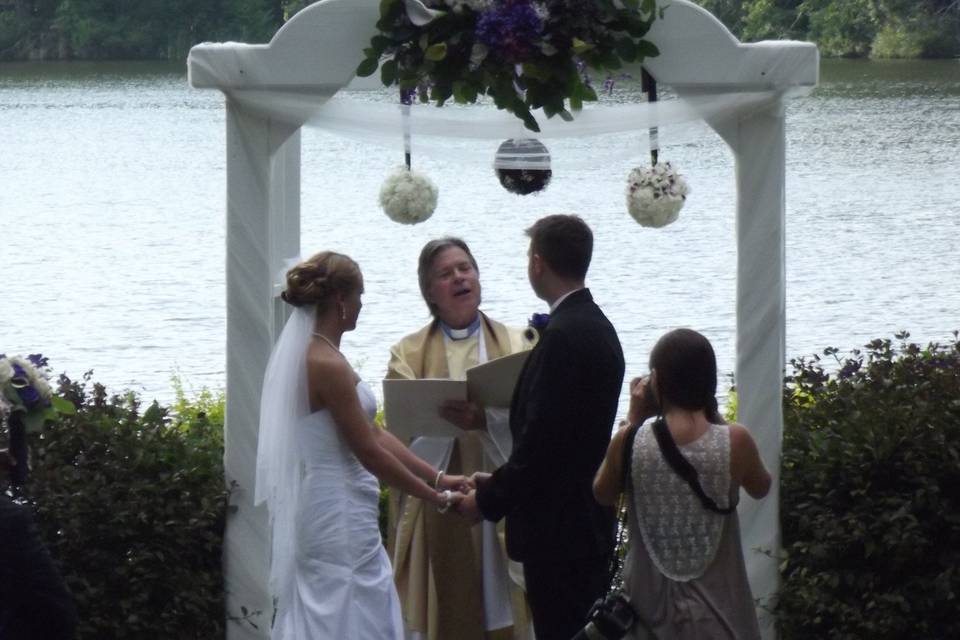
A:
(461, 334)
(556, 303)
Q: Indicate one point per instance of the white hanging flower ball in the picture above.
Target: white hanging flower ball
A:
(656, 194)
(408, 197)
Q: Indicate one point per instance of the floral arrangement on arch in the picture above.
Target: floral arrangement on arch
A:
(523, 54)
(656, 194)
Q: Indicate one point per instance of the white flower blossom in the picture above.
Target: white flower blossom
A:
(408, 197)
(656, 194)
(474, 5)
(6, 371)
(5, 408)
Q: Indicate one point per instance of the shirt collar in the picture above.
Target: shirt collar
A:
(460, 334)
(556, 303)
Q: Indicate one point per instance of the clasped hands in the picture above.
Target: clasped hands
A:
(462, 498)
(460, 494)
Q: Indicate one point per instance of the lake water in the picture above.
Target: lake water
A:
(112, 207)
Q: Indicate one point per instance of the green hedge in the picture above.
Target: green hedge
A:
(131, 503)
(870, 500)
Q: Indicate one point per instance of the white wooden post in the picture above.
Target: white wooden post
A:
(758, 141)
(263, 229)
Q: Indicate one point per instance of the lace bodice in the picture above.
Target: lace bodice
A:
(680, 535)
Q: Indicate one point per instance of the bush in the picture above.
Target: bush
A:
(871, 494)
(131, 505)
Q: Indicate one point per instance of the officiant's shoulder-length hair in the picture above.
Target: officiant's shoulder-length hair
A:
(429, 254)
(318, 280)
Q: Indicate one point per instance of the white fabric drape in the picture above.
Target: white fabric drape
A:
(284, 402)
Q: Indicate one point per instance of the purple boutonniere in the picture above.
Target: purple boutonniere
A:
(535, 326)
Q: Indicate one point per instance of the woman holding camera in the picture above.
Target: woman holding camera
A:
(684, 573)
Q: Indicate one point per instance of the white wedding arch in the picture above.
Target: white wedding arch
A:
(272, 90)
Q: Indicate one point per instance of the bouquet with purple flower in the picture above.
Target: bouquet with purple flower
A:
(524, 54)
(26, 402)
(25, 391)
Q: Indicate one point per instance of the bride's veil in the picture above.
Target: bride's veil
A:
(284, 401)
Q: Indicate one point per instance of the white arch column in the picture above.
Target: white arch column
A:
(758, 141)
(263, 230)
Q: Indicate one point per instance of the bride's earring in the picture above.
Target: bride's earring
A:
(343, 312)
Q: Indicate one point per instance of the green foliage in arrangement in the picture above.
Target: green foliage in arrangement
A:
(131, 503)
(870, 500)
(523, 55)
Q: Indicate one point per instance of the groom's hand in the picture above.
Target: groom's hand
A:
(467, 415)
(479, 477)
(467, 507)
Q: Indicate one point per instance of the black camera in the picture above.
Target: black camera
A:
(610, 618)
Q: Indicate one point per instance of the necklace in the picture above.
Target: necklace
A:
(327, 340)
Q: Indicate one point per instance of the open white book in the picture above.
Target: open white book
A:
(412, 407)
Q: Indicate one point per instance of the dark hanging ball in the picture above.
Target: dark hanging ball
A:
(523, 166)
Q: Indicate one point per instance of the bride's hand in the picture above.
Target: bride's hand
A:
(448, 499)
(462, 484)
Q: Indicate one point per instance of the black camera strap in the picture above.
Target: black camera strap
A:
(682, 467)
(618, 549)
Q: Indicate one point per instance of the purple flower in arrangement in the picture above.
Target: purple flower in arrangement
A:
(407, 96)
(38, 360)
(29, 396)
(511, 29)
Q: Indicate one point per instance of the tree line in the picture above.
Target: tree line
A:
(166, 29)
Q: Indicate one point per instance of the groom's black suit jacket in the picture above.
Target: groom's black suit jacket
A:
(561, 417)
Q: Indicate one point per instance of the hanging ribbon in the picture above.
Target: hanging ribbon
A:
(649, 86)
(406, 100)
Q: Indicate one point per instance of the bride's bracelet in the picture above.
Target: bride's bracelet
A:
(436, 481)
(447, 495)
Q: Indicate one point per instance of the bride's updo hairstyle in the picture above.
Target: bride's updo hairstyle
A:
(318, 280)
(686, 373)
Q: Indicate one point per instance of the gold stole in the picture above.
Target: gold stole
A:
(437, 557)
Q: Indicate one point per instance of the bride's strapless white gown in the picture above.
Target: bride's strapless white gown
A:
(343, 587)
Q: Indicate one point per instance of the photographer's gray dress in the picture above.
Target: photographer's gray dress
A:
(684, 572)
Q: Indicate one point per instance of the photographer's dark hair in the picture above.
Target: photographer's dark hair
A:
(565, 242)
(686, 373)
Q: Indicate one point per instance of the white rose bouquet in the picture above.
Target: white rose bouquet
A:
(656, 194)
(408, 197)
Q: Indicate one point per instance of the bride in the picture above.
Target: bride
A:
(319, 460)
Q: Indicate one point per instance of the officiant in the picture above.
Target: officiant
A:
(455, 580)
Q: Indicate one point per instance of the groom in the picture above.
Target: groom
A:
(561, 417)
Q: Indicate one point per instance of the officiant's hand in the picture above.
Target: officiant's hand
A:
(467, 415)
(468, 508)
(462, 484)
